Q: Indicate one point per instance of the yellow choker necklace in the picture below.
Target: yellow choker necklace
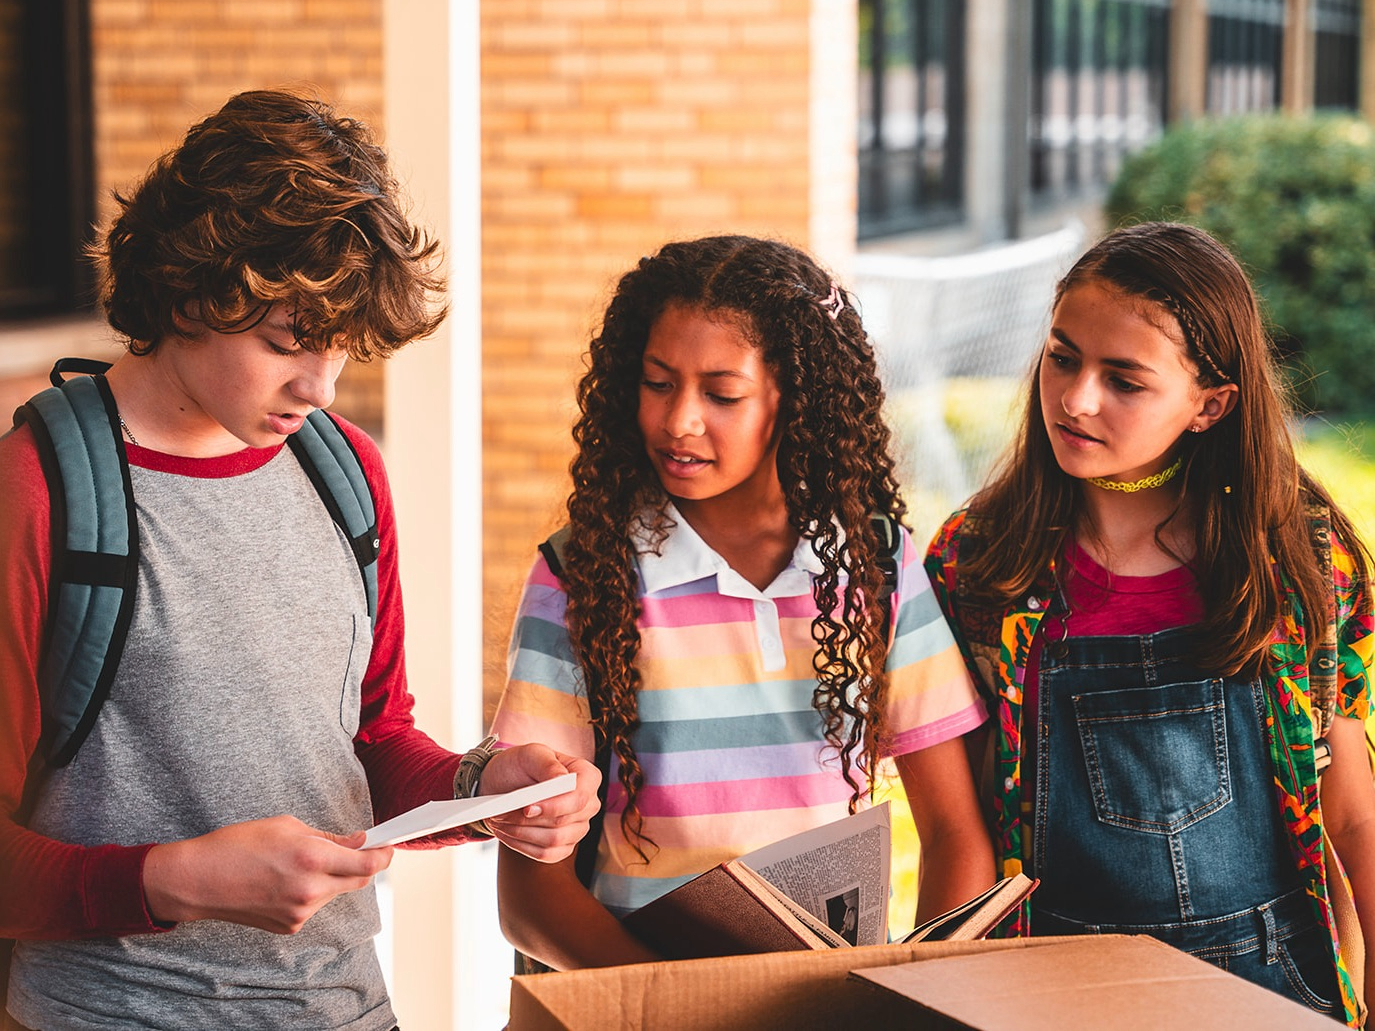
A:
(1145, 483)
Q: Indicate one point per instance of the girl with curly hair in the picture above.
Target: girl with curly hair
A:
(1142, 592)
(718, 621)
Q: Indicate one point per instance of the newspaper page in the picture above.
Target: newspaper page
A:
(840, 873)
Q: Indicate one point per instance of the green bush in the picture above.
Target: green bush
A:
(1294, 198)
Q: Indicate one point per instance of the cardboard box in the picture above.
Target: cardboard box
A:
(1062, 983)
(784, 990)
(1116, 981)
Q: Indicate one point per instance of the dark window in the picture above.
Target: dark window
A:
(911, 114)
(46, 194)
(1098, 89)
(1336, 53)
(1245, 48)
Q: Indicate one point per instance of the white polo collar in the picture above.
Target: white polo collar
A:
(684, 558)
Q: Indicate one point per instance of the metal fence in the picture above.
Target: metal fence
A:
(1099, 75)
(1245, 51)
(1337, 48)
(911, 114)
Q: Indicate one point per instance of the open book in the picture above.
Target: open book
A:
(974, 919)
(825, 888)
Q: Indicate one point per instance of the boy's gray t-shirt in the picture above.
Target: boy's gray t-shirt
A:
(237, 698)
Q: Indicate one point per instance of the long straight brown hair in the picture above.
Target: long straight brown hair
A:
(1241, 482)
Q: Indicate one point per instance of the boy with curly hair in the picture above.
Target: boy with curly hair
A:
(198, 863)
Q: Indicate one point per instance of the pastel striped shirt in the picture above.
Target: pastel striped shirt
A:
(733, 753)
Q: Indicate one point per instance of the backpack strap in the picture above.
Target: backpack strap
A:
(95, 552)
(554, 548)
(81, 450)
(889, 533)
(1322, 672)
(333, 466)
(1322, 669)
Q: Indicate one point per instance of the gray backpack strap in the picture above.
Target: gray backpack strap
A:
(95, 539)
(335, 469)
(95, 555)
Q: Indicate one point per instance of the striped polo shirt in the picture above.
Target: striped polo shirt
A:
(734, 755)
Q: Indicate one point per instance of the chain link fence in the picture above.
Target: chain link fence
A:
(956, 337)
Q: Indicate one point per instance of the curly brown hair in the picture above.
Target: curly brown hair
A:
(272, 199)
(1241, 482)
(834, 467)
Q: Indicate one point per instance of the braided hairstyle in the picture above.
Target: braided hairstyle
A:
(1241, 484)
(834, 467)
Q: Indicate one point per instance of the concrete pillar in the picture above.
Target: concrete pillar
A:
(443, 949)
(833, 109)
(1188, 59)
(987, 172)
(1367, 62)
(1017, 100)
(1296, 74)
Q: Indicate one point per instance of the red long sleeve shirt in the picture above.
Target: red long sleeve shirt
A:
(49, 889)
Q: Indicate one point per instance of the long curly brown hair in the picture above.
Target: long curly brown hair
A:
(833, 464)
(1241, 482)
(273, 198)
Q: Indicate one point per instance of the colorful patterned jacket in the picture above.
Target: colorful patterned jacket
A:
(996, 646)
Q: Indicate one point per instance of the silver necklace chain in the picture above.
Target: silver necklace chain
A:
(127, 432)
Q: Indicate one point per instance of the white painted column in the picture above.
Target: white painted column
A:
(444, 942)
(834, 106)
(988, 175)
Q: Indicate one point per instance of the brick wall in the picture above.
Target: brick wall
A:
(160, 65)
(608, 128)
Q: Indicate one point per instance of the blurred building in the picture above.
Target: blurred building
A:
(553, 142)
(989, 118)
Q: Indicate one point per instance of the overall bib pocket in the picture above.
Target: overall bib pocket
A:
(1130, 737)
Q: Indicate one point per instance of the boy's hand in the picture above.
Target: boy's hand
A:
(273, 874)
(548, 831)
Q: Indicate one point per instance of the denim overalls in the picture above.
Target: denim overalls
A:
(1155, 814)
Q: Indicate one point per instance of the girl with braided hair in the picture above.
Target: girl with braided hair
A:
(1141, 592)
(721, 601)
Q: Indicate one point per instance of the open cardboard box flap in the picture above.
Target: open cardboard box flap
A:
(1125, 982)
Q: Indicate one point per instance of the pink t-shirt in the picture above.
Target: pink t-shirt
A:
(1102, 604)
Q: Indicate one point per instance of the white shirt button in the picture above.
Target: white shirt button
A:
(768, 632)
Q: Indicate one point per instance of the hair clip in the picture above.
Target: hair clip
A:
(834, 302)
